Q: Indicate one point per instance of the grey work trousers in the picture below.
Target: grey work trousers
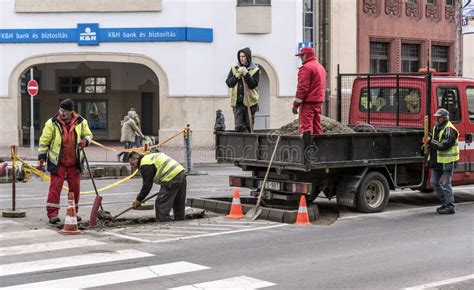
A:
(241, 117)
(172, 195)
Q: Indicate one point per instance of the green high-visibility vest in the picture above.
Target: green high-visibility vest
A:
(254, 95)
(166, 167)
(50, 142)
(452, 154)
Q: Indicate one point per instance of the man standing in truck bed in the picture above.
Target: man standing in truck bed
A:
(444, 154)
(310, 93)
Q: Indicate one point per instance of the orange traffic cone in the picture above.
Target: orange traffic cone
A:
(302, 218)
(70, 223)
(236, 207)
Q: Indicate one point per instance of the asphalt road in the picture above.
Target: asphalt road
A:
(408, 245)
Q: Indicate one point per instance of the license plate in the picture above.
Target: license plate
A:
(272, 185)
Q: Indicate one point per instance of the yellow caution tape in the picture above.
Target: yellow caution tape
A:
(46, 177)
(113, 184)
(186, 130)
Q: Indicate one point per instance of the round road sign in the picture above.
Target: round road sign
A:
(32, 88)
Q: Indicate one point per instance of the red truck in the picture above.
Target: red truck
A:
(387, 113)
(455, 94)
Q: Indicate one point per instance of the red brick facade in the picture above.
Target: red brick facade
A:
(398, 22)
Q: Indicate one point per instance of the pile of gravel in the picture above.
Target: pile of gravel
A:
(330, 126)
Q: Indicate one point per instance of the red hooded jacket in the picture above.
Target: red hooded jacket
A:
(311, 80)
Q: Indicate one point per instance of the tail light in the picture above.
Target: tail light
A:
(235, 181)
(301, 188)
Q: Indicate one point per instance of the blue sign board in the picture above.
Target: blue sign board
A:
(91, 34)
(88, 34)
(305, 44)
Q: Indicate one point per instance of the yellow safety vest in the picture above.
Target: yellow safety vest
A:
(254, 95)
(51, 140)
(452, 154)
(166, 167)
(378, 103)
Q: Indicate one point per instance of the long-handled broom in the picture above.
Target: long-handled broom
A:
(97, 201)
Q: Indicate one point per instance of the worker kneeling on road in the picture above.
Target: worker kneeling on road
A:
(169, 174)
(443, 158)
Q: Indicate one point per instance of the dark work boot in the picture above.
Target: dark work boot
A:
(440, 208)
(54, 220)
(446, 210)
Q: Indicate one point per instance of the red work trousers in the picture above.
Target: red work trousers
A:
(73, 176)
(310, 118)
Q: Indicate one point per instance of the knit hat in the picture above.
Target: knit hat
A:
(67, 104)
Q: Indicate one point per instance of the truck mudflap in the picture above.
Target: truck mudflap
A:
(282, 186)
(347, 189)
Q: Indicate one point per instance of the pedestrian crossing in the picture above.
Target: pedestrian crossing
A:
(43, 259)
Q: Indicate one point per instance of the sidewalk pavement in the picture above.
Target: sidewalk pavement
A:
(95, 154)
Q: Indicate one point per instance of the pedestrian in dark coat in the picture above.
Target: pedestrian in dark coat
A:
(243, 81)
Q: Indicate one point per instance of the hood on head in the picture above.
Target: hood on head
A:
(248, 53)
(125, 119)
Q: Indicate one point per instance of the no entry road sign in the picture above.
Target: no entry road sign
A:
(32, 88)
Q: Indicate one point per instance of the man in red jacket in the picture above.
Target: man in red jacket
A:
(310, 92)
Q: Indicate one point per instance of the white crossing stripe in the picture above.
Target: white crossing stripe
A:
(72, 261)
(26, 234)
(442, 283)
(7, 222)
(242, 282)
(44, 247)
(115, 277)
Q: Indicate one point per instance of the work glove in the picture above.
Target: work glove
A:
(238, 75)
(136, 204)
(295, 110)
(426, 140)
(243, 70)
(83, 143)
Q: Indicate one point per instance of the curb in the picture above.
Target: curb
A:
(222, 205)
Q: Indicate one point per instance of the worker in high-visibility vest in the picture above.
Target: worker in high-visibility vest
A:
(61, 145)
(443, 158)
(170, 175)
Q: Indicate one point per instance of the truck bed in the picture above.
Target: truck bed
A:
(307, 152)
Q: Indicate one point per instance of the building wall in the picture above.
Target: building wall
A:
(191, 75)
(398, 22)
(343, 43)
(468, 55)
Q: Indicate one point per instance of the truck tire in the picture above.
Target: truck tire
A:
(373, 193)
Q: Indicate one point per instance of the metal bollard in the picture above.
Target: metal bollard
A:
(188, 160)
(13, 213)
(188, 164)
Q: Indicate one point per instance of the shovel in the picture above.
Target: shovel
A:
(150, 197)
(249, 110)
(256, 211)
(98, 199)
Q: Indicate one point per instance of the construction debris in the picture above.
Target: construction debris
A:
(330, 126)
(104, 220)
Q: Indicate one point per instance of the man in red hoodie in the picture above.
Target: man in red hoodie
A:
(310, 93)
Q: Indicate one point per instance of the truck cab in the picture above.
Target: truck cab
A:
(402, 101)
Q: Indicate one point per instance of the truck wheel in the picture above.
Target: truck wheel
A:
(373, 193)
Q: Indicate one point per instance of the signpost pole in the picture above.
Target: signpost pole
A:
(32, 127)
(458, 5)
